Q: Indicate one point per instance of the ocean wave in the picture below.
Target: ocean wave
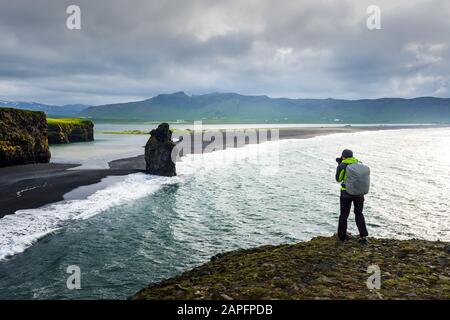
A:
(22, 229)
(314, 156)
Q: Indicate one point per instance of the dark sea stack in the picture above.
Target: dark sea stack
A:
(23, 137)
(70, 130)
(158, 151)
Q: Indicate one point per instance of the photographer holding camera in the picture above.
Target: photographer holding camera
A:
(355, 182)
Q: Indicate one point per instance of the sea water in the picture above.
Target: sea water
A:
(143, 228)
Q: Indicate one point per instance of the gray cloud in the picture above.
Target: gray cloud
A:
(131, 50)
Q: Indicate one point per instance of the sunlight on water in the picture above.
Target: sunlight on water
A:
(223, 201)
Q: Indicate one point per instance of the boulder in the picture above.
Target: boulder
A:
(158, 152)
(23, 137)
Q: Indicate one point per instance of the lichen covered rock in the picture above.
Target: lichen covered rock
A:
(158, 152)
(322, 268)
(70, 130)
(23, 137)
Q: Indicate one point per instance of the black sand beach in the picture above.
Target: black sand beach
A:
(34, 185)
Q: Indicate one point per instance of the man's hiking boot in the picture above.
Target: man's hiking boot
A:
(362, 240)
(348, 238)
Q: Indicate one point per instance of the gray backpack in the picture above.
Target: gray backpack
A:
(358, 179)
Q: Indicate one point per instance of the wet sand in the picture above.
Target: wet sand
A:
(34, 185)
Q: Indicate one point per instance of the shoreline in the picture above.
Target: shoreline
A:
(34, 185)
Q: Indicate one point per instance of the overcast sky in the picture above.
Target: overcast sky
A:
(133, 50)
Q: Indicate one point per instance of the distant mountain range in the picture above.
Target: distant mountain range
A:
(232, 107)
(236, 108)
(66, 110)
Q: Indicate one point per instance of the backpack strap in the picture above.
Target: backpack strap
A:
(345, 175)
(342, 170)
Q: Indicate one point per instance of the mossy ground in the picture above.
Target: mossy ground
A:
(321, 268)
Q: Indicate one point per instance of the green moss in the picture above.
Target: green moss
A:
(72, 121)
(179, 131)
(321, 268)
(8, 147)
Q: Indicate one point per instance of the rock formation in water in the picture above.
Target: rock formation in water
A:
(23, 137)
(158, 152)
(70, 130)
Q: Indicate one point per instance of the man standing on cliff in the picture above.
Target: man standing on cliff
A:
(354, 179)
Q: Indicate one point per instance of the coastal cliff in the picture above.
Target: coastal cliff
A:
(70, 130)
(321, 268)
(23, 137)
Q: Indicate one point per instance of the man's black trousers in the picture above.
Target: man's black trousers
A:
(358, 206)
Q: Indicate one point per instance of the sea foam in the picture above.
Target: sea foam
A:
(20, 230)
(24, 228)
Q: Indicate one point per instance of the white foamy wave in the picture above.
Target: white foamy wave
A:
(20, 230)
(262, 155)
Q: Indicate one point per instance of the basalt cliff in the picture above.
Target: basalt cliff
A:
(70, 130)
(23, 137)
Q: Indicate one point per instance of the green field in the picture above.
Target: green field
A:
(74, 121)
